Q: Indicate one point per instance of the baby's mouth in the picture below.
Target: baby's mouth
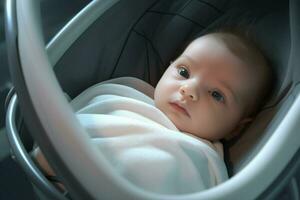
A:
(179, 108)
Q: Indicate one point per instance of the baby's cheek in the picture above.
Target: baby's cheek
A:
(213, 124)
(228, 122)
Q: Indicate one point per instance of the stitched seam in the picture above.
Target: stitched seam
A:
(175, 14)
(150, 42)
(127, 38)
(212, 6)
(147, 59)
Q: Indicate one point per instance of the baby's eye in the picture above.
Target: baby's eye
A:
(217, 96)
(183, 72)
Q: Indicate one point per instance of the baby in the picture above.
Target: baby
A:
(211, 91)
(215, 86)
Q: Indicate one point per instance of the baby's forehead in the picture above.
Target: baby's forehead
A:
(223, 61)
(210, 43)
(213, 50)
(226, 45)
(209, 39)
(224, 38)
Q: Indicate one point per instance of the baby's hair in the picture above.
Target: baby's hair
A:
(243, 45)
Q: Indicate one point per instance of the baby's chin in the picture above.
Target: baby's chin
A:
(197, 134)
(184, 128)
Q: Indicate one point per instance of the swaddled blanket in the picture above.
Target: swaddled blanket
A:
(142, 144)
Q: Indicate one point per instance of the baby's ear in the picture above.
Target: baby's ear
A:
(239, 128)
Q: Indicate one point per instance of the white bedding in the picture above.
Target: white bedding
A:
(142, 144)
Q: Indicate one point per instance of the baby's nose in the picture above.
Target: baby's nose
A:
(189, 92)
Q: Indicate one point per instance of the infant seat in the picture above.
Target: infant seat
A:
(140, 39)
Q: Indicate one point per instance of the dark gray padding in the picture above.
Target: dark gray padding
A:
(92, 57)
(276, 45)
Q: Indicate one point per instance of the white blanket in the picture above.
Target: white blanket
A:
(142, 144)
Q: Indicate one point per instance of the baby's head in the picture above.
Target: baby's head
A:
(215, 86)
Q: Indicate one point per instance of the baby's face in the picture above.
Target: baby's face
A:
(206, 90)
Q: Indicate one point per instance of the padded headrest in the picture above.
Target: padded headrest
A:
(273, 34)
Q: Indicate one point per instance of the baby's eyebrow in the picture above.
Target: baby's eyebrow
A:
(190, 59)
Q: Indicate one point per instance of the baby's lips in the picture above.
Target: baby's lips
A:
(180, 107)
